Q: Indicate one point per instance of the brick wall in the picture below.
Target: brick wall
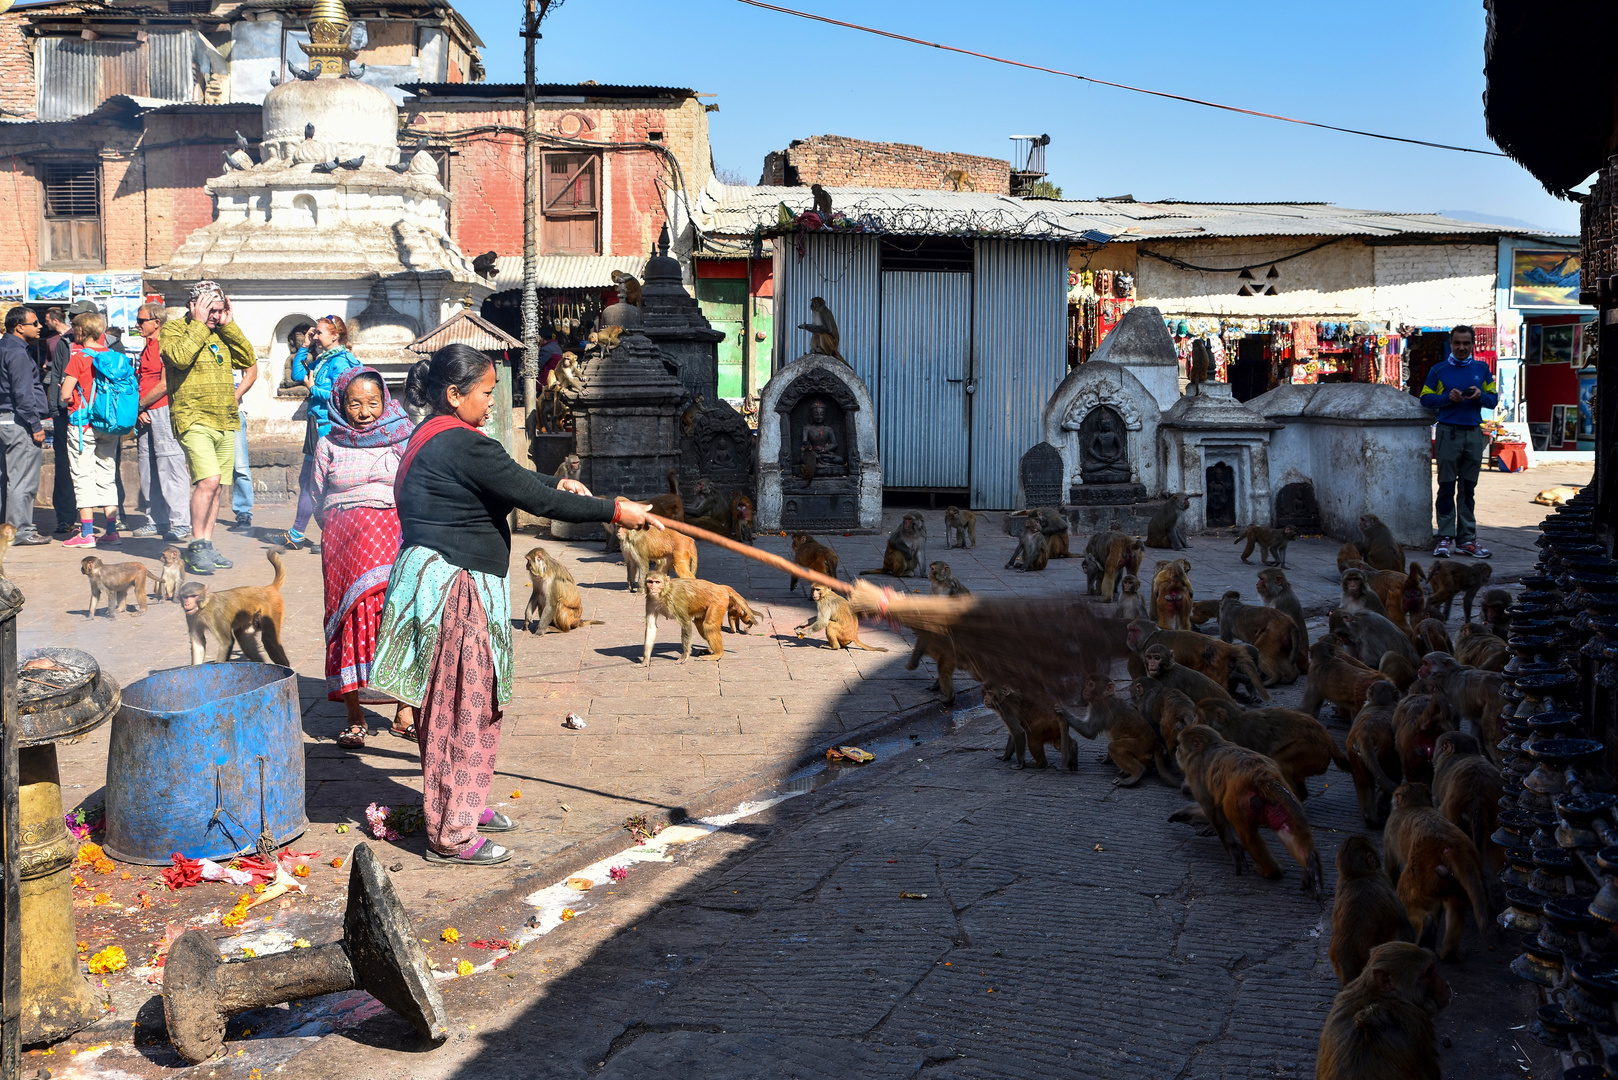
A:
(16, 69)
(486, 169)
(836, 161)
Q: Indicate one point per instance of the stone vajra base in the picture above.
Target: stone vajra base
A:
(1106, 494)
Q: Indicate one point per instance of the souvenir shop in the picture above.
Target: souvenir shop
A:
(1096, 301)
(1255, 355)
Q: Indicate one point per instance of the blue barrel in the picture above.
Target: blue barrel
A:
(203, 759)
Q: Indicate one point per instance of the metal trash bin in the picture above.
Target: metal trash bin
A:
(204, 760)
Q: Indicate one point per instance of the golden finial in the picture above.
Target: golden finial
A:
(328, 48)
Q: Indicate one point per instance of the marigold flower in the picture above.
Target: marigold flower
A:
(110, 959)
(450, 935)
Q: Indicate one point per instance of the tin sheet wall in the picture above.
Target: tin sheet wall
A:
(926, 356)
(842, 270)
(75, 76)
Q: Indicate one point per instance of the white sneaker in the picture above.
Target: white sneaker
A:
(1443, 550)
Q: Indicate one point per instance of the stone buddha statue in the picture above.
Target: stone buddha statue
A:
(1103, 448)
(822, 439)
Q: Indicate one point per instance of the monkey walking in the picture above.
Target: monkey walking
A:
(959, 526)
(938, 648)
(692, 603)
(1030, 728)
(248, 616)
(656, 549)
(1381, 1024)
(554, 595)
(1435, 866)
(835, 619)
(170, 575)
(116, 582)
(1272, 544)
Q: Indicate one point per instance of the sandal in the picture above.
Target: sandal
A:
(481, 853)
(405, 732)
(353, 738)
(492, 820)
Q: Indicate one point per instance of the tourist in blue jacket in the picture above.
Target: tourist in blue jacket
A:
(328, 344)
(1460, 389)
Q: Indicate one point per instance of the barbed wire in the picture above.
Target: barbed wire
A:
(882, 218)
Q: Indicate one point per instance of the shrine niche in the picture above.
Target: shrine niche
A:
(816, 407)
(1103, 421)
(719, 447)
(1103, 447)
(1220, 505)
(1296, 505)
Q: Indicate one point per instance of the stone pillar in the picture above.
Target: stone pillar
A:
(627, 420)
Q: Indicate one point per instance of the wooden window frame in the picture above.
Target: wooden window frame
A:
(48, 172)
(571, 219)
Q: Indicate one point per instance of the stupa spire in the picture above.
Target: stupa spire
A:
(328, 47)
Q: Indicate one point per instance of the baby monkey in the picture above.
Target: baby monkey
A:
(170, 575)
(835, 619)
(943, 582)
(115, 582)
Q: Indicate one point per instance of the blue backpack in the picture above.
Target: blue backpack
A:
(114, 398)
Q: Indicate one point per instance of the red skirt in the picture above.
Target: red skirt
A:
(358, 547)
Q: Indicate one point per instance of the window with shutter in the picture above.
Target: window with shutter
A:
(571, 201)
(72, 214)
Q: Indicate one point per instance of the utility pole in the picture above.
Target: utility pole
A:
(534, 14)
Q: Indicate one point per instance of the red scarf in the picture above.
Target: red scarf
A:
(421, 437)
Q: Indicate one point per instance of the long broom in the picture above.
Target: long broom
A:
(1040, 647)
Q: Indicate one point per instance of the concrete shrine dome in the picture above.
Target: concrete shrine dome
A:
(350, 119)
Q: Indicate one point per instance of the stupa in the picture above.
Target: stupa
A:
(332, 219)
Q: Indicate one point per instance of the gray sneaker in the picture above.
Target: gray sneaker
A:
(218, 560)
(199, 557)
(147, 531)
(179, 533)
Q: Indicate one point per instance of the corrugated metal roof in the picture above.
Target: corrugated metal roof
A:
(566, 271)
(737, 211)
(543, 90)
(464, 328)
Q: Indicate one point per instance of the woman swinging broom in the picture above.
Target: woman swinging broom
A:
(444, 645)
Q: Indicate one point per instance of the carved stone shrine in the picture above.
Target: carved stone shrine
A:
(817, 405)
(673, 320)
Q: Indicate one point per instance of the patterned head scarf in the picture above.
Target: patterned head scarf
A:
(391, 428)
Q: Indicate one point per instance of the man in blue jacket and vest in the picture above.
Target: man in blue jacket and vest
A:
(1460, 389)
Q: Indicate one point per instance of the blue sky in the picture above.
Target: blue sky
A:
(1404, 68)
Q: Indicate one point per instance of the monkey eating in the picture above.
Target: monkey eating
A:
(1337, 678)
(906, 550)
(248, 616)
(115, 582)
(959, 526)
(554, 595)
(812, 555)
(170, 575)
(1164, 529)
(1132, 743)
(692, 603)
(1236, 792)
(1381, 1024)
(835, 619)
(1366, 911)
(1272, 544)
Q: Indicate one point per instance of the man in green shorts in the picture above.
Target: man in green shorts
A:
(200, 353)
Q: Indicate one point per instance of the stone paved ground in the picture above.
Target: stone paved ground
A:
(696, 739)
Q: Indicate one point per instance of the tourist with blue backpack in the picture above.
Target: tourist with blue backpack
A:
(102, 395)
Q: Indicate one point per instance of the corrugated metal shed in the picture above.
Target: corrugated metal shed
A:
(76, 76)
(737, 211)
(464, 328)
(567, 271)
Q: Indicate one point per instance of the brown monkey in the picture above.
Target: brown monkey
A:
(1031, 552)
(1373, 754)
(941, 651)
(822, 199)
(570, 468)
(1272, 544)
(1093, 572)
(1057, 531)
(1477, 647)
(959, 525)
(605, 339)
(8, 533)
(1358, 596)
(822, 326)
(1029, 727)
(1435, 865)
(1299, 744)
(1276, 592)
(1366, 911)
(1372, 636)
(1204, 611)
(656, 549)
(629, 288)
(1412, 598)
(1162, 669)
(1381, 551)
(170, 575)
(1381, 1024)
(1168, 711)
(1349, 555)
(1164, 530)
(1474, 695)
(1431, 636)
(249, 616)
(1201, 364)
(808, 461)
(1467, 788)
(1419, 720)
(741, 517)
(1236, 792)
(813, 555)
(710, 512)
(669, 504)
(554, 595)
(1231, 666)
(116, 582)
(1130, 604)
(1116, 553)
(1398, 670)
(1493, 608)
(1132, 742)
(691, 602)
(688, 419)
(1171, 595)
(1336, 678)
(742, 617)
(940, 582)
(1451, 579)
(1266, 629)
(906, 550)
(835, 619)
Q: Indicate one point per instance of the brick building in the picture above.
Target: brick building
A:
(838, 161)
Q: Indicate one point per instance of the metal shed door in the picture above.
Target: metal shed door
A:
(1019, 350)
(921, 393)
